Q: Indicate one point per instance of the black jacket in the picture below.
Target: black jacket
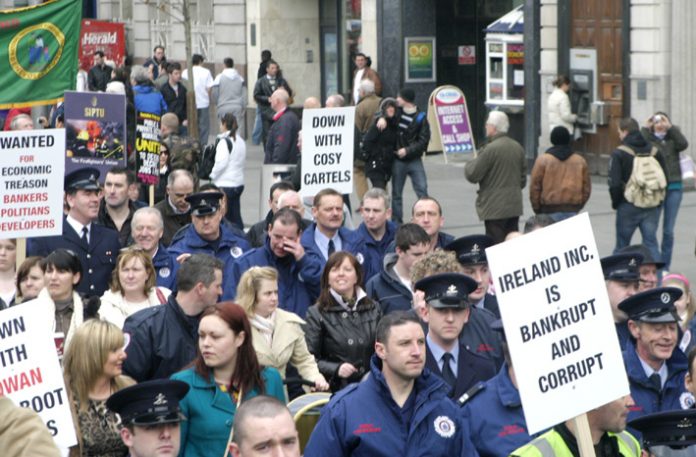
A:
(281, 147)
(479, 338)
(379, 148)
(104, 218)
(99, 77)
(621, 165)
(335, 336)
(413, 136)
(163, 341)
(176, 101)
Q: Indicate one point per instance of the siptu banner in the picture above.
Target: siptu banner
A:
(38, 52)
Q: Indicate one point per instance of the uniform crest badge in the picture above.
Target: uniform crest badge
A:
(160, 399)
(236, 251)
(452, 290)
(444, 426)
(165, 272)
(665, 298)
(360, 258)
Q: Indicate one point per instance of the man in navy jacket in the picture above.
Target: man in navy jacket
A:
(399, 409)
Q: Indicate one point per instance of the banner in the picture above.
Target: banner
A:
(95, 131)
(558, 322)
(38, 52)
(327, 150)
(31, 375)
(108, 37)
(31, 183)
(147, 147)
(453, 122)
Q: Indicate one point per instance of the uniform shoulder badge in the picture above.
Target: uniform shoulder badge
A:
(164, 272)
(444, 426)
(471, 393)
(236, 251)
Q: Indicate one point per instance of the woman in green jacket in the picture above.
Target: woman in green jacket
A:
(225, 373)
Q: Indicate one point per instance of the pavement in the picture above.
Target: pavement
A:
(457, 196)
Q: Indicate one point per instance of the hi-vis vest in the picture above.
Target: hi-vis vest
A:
(551, 444)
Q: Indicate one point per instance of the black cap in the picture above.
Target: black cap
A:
(408, 95)
(676, 429)
(149, 403)
(471, 249)
(653, 306)
(645, 252)
(447, 290)
(84, 178)
(204, 203)
(622, 267)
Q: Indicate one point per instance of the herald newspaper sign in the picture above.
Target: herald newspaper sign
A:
(558, 322)
(30, 374)
(32, 168)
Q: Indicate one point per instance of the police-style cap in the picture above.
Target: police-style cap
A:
(648, 258)
(471, 249)
(447, 290)
(676, 429)
(149, 403)
(622, 267)
(84, 178)
(204, 203)
(653, 306)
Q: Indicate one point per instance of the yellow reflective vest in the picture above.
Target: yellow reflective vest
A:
(551, 444)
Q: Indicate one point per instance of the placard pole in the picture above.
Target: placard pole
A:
(151, 188)
(583, 436)
(21, 252)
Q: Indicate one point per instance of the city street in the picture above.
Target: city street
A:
(447, 184)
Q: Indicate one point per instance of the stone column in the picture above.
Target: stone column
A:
(683, 67)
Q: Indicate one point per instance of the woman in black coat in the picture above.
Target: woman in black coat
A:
(340, 329)
(379, 146)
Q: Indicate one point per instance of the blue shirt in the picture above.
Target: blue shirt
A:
(438, 352)
(322, 242)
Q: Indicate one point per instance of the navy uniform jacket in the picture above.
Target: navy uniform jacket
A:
(375, 250)
(298, 282)
(230, 247)
(351, 243)
(471, 368)
(647, 399)
(480, 338)
(362, 420)
(490, 302)
(165, 269)
(98, 260)
(624, 334)
(163, 341)
(495, 417)
(387, 290)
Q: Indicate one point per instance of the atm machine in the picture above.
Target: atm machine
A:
(583, 87)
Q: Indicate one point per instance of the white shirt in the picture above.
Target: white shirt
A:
(77, 226)
(356, 85)
(228, 170)
(203, 81)
(649, 371)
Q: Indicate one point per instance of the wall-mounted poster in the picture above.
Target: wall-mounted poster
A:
(420, 59)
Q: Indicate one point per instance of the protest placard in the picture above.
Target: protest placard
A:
(147, 147)
(327, 150)
(95, 131)
(31, 183)
(30, 374)
(558, 322)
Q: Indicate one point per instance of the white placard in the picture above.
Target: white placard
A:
(30, 374)
(32, 168)
(327, 150)
(558, 322)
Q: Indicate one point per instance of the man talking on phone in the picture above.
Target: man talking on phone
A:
(299, 271)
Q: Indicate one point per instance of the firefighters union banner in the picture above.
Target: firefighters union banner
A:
(38, 52)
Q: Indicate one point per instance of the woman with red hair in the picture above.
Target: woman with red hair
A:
(224, 374)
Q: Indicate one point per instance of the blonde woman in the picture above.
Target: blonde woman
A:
(132, 287)
(277, 334)
(92, 367)
(686, 305)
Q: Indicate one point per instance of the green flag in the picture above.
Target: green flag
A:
(38, 52)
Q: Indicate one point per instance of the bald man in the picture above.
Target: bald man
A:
(281, 147)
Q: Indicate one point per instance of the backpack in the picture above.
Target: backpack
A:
(647, 185)
(205, 166)
(183, 153)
